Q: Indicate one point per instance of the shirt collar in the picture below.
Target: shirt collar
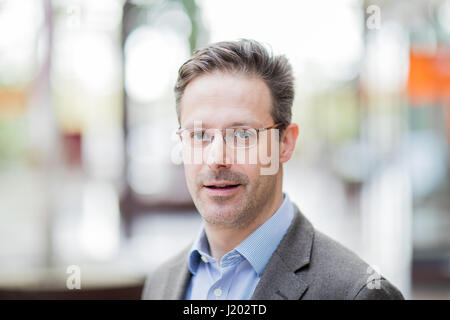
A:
(258, 247)
(199, 248)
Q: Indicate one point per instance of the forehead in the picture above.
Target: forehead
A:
(223, 99)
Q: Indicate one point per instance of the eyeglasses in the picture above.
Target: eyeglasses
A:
(234, 137)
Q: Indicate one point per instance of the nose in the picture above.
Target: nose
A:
(216, 153)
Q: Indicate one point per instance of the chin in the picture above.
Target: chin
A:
(217, 214)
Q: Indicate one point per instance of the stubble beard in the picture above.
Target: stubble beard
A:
(229, 215)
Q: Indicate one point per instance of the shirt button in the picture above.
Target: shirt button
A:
(204, 259)
(218, 292)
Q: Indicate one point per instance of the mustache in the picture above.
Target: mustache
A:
(222, 175)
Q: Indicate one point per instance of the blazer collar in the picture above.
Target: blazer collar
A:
(279, 279)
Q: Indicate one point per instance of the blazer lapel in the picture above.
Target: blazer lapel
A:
(279, 279)
(179, 285)
(278, 282)
(179, 279)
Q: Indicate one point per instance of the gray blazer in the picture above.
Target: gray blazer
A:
(306, 265)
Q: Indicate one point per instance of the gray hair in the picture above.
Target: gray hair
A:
(247, 57)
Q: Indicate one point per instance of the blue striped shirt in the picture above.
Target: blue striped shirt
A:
(239, 271)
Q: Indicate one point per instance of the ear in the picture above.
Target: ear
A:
(287, 143)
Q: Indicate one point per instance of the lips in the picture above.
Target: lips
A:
(225, 186)
(222, 188)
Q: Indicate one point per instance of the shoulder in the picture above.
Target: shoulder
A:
(336, 272)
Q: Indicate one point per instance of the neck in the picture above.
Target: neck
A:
(222, 240)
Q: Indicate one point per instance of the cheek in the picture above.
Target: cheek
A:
(252, 171)
(191, 172)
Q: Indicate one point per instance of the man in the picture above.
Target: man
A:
(233, 98)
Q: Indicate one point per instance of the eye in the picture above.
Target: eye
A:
(199, 135)
(242, 134)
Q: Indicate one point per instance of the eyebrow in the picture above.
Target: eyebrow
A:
(239, 123)
(232, 124)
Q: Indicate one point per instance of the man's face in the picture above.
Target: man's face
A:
(222, 100)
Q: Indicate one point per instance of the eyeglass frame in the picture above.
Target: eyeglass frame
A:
(223, 131)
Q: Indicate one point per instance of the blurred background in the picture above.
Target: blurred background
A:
(87, 144)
